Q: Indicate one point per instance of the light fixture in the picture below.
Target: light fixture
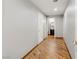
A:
(54, 0)
(51, 20)
(55, 9)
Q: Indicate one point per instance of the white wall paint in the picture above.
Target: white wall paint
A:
(42, 28)
(20, 28)
(59, 26)
(69, 28)
(45, 33)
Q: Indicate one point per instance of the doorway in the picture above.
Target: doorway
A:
(52, 32)
(51, 26)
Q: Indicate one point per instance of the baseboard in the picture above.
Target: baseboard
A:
(67, 49)
(59, 37)
(41, 42)
(65, 45)
(32, 49)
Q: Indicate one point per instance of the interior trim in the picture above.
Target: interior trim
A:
(67, 49)
(33, 49)
(59, 37)
(44, 40)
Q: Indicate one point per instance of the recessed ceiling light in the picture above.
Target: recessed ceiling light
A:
(55, 9)
(54, 0)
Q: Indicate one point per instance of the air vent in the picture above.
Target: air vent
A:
(54, 0)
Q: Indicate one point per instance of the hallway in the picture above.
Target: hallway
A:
(50, 48)
(28, 23)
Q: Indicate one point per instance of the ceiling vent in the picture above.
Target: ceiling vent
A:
(54, 0)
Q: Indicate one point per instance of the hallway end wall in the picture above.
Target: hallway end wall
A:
(58, 25)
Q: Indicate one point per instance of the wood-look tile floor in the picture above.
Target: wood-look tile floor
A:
(51, 48)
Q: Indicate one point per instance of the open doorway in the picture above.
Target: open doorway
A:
(51, 26)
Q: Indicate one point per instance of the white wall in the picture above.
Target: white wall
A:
(45, 28)
(59, 26)
(42, 28)
(69, 27)
(20, 28)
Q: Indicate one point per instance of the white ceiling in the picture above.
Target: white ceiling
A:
(50, 8)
